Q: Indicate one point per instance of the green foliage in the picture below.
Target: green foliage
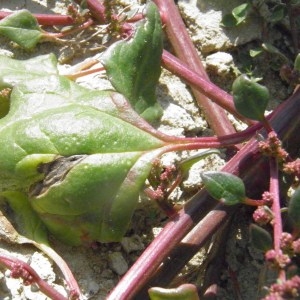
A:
(237, 16)
(183, 292)
(22, 28)
(250, 98)
(260, 238)
(29, 223)
(294, 209)
(224, 187)
(81, 155)
(17, 71)
(133, 65)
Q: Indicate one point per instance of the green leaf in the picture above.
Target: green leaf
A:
(133, 66)
(17, 71)
(294, 208)
(29, 223)
(22, 28)
(82, 154)
(250, 98)
(273, 50)
(183, 292)
(278, 13)
(229, 21)
(240, 12)
(237, 16)
(224, 187)
(260, 238)
(255, 52)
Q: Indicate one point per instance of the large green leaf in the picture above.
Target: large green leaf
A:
(81, 155)
(133, 66)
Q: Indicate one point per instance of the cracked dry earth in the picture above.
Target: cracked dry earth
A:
(99, 269)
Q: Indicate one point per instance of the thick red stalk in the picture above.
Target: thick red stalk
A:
(187, 53)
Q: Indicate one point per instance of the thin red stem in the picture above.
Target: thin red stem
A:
(254, 202)
(47, 19)
(274, 190)
(25, 271)
(276, 208)
(81, 27)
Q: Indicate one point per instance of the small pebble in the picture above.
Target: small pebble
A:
(117, 263)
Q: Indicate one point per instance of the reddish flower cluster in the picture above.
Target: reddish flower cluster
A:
(293, 168)
(273, 147)
(262, 215)
(267, 197)
(296, 246)
(289, 289)
(18, 271)
(286, 242)
(278, 260)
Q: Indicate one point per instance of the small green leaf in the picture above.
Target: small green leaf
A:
(260, 238)
(229, 21)
(22, 28)
(250, 98)
(224, 187)
(183, 292)
(273, 50)
(294, 208)
(255, 52)
(237, 16)
(278, 13)
(133, 66)
(240, 12)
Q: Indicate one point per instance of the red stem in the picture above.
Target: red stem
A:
(78, 28)
(15, 264)
(254, 202)
(47, 19)
(185, 50)
(277, 221)
(274, 190)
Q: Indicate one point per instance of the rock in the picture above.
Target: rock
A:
(117, 263)
(220, 63)
(132, 243)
